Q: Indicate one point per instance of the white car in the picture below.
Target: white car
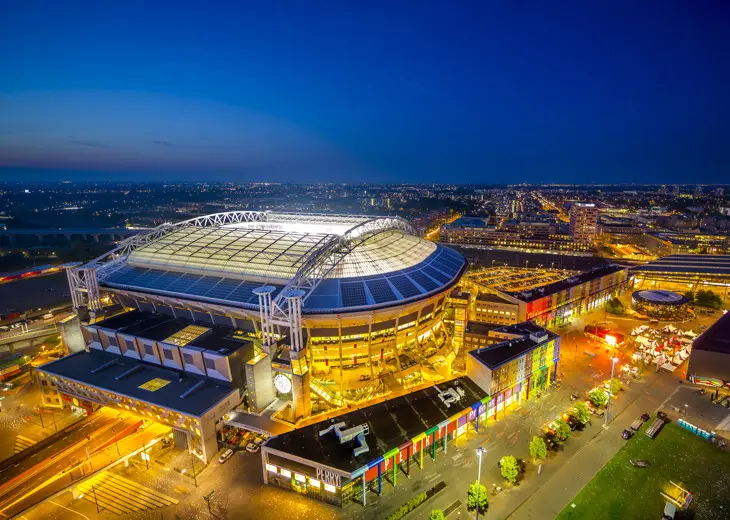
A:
(252, 448)
(225, 456)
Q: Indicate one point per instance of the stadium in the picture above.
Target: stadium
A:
(335, 309)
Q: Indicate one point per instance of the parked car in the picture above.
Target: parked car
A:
(627, 434)
(226, 455)
(252, 448)
(644, 417)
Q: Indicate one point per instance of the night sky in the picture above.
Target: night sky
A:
(492, 91)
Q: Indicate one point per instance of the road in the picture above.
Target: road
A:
(74, 455)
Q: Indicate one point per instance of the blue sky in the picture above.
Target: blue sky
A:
(473, 92)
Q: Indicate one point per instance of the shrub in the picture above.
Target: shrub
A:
(562, 430)
(436, 514)
(409, 506)
(510, 468)
(581, 412)
(615, 385)
(538, 448)
(614, 306)
(471, 502)
(598, 397)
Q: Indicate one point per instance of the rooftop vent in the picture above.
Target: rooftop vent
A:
(539, 337)
(346, 435)
(450, 396)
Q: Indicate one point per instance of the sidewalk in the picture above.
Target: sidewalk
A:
(555, 493)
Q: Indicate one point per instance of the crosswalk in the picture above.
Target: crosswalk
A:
(23, 443)
(121, 495)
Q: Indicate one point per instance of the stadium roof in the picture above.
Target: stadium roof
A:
(691, 264)
(358, 262)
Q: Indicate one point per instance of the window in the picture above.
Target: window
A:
(210, 363)
(188, 358)
(148, 350)
(168, 354)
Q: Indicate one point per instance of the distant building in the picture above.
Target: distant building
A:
(698, 191)
(583, 222)
(676, 191)
(719, 192)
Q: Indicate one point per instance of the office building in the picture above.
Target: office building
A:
(583, 222)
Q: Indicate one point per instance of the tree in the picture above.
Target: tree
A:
(690, 296)
(614, 306)
(436, 514)
(581, 412)
(471, 503)
(562, 430)
(538, 448)
(708, 299)
(598, 397)
(616, 385)
(510, 468)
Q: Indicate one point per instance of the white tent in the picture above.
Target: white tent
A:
(690, 334)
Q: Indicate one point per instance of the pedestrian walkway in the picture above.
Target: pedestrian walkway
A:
(23, 443)
(121, 495)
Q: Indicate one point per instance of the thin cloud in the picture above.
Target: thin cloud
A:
(166, 144)
(87, 142)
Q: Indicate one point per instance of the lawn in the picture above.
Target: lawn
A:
(620, 490)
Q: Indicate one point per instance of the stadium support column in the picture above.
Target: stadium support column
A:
(84, 288)
(267, 329)
(298, 355)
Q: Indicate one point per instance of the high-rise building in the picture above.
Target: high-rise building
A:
(583, 222)
(698, 191)
(676, 190)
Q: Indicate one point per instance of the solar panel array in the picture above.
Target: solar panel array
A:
(204, 287)
(436, 271)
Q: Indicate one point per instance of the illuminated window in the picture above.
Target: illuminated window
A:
(330, 488)
(299, 478)
(285, 472)
(271, 467)
(314, 482)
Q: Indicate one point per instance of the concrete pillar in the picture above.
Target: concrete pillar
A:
(380, 478)
(364, 490)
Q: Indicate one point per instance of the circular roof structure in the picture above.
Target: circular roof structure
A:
(341, 262)
(657, 297)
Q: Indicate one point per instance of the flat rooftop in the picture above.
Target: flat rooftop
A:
(716, 338)
(159, 327)
(107, 372)
(480, 328)
(392, 423)
(691, 264)
(505, 351)
(493, 298)
(555, 287)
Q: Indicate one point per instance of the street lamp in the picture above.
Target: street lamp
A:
(480, 451)
(613, 364)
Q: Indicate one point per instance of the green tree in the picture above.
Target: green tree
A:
(510, 468)
(614, 306)
(483, 500)
(690, 296)
(562, 430)
(708, 299)
(615, 385)
(538, 448)
(598, 397)
(581, 412)
(436, 514)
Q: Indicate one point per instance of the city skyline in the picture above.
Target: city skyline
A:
(479, 94)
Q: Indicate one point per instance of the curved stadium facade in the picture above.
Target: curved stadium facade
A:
(339, 309)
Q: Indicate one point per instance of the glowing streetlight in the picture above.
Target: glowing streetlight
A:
(480, 451)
